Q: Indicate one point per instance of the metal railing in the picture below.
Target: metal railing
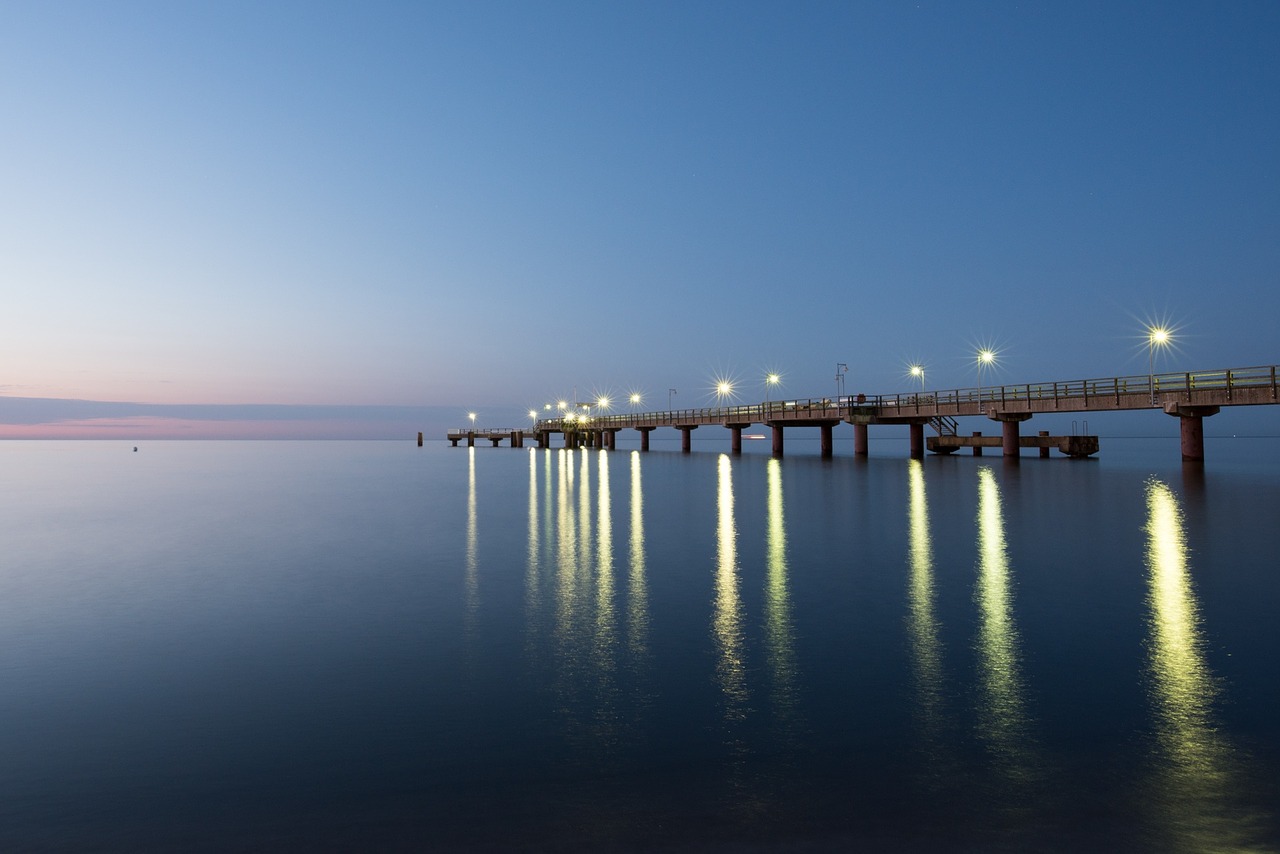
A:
(1155, 387)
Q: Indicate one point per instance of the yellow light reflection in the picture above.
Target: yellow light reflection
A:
(533, 599)
(925, 646)
(727, 620)
(1200, 778)
(606, 630)
(471, 579)
(779, 637)
(638, 594)
(1002, 714)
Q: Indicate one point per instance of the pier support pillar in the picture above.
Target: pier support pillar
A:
(825, 433)
(644, 437)
(860, 440)
(777, 440)
(1192, 418)
(420, 439)
(735, 437)
(1044, 451)
(568, 439)
(977, 449)
(686, 437)
(1009, 421)
(471, 438)
(1010, 443)
(611, 439)
(917, 440)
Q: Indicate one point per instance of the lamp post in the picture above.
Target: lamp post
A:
(670, 392)
(986, 356)
(1157, 336)
(724, 390)
(472, 416)
(770, 381)
(841, 370)
(918, 371)
(635, 400)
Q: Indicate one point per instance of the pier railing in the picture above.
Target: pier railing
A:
(1234, 386)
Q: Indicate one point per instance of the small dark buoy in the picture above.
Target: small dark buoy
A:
(135, 449)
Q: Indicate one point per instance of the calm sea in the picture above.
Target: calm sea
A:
(372, 646)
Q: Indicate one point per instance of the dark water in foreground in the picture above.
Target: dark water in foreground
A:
(370, 646)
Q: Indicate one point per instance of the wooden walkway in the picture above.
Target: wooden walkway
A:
(1189, 396)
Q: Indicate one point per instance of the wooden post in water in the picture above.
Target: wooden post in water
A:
(420, 439)
(1044, 449)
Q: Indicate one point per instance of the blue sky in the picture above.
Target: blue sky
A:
(482, 206)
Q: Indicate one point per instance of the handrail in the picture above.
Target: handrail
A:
(1229, 380)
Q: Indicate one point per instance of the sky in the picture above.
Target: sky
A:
(360, 219)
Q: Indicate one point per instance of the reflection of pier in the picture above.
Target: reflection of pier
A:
(1191, 397)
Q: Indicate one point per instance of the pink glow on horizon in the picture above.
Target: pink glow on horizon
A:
(145, 427)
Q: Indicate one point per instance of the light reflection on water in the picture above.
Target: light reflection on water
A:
(1003, 706)
(1198, 788)
(727, 612)
(660, 651)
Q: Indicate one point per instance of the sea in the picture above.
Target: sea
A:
(375, 646)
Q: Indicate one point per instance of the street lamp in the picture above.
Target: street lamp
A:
(918, 371)
(670, 392)
(986, 356)
(724, 389)
(472, 416)
(1157, 336)
(770, 380)
(841, 370)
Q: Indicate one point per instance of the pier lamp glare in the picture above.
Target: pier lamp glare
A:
(986, 357)
(602, 402)
(533, 413)
(472, 416)
(564, 404)
(635, 398)
(724, 389)
(1158, 337)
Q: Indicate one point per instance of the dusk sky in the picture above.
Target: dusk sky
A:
(411, 210)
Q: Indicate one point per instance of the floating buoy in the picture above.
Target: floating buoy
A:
(135, 449)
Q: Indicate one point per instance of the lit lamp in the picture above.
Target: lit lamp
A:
(1157, 336)
(986, 356)
(770, 381)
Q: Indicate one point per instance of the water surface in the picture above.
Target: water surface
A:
(327, 646)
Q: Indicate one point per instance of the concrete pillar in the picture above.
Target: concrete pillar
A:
(420, 439)
(686, 438)
(917, 441)
(1192, 428)
(777, 440)
(860, 440)
(1192, 438)
(568, 439)
(496, 440)
(977, 449)
(471, 438)
(612, 444)
(825, 432)
(1044, 452)
(644, 437)
(1010, 441)
(735, 439)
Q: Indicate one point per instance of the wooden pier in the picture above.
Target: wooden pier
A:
(1189, 396)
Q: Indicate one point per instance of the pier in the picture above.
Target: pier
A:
(1189, 396)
